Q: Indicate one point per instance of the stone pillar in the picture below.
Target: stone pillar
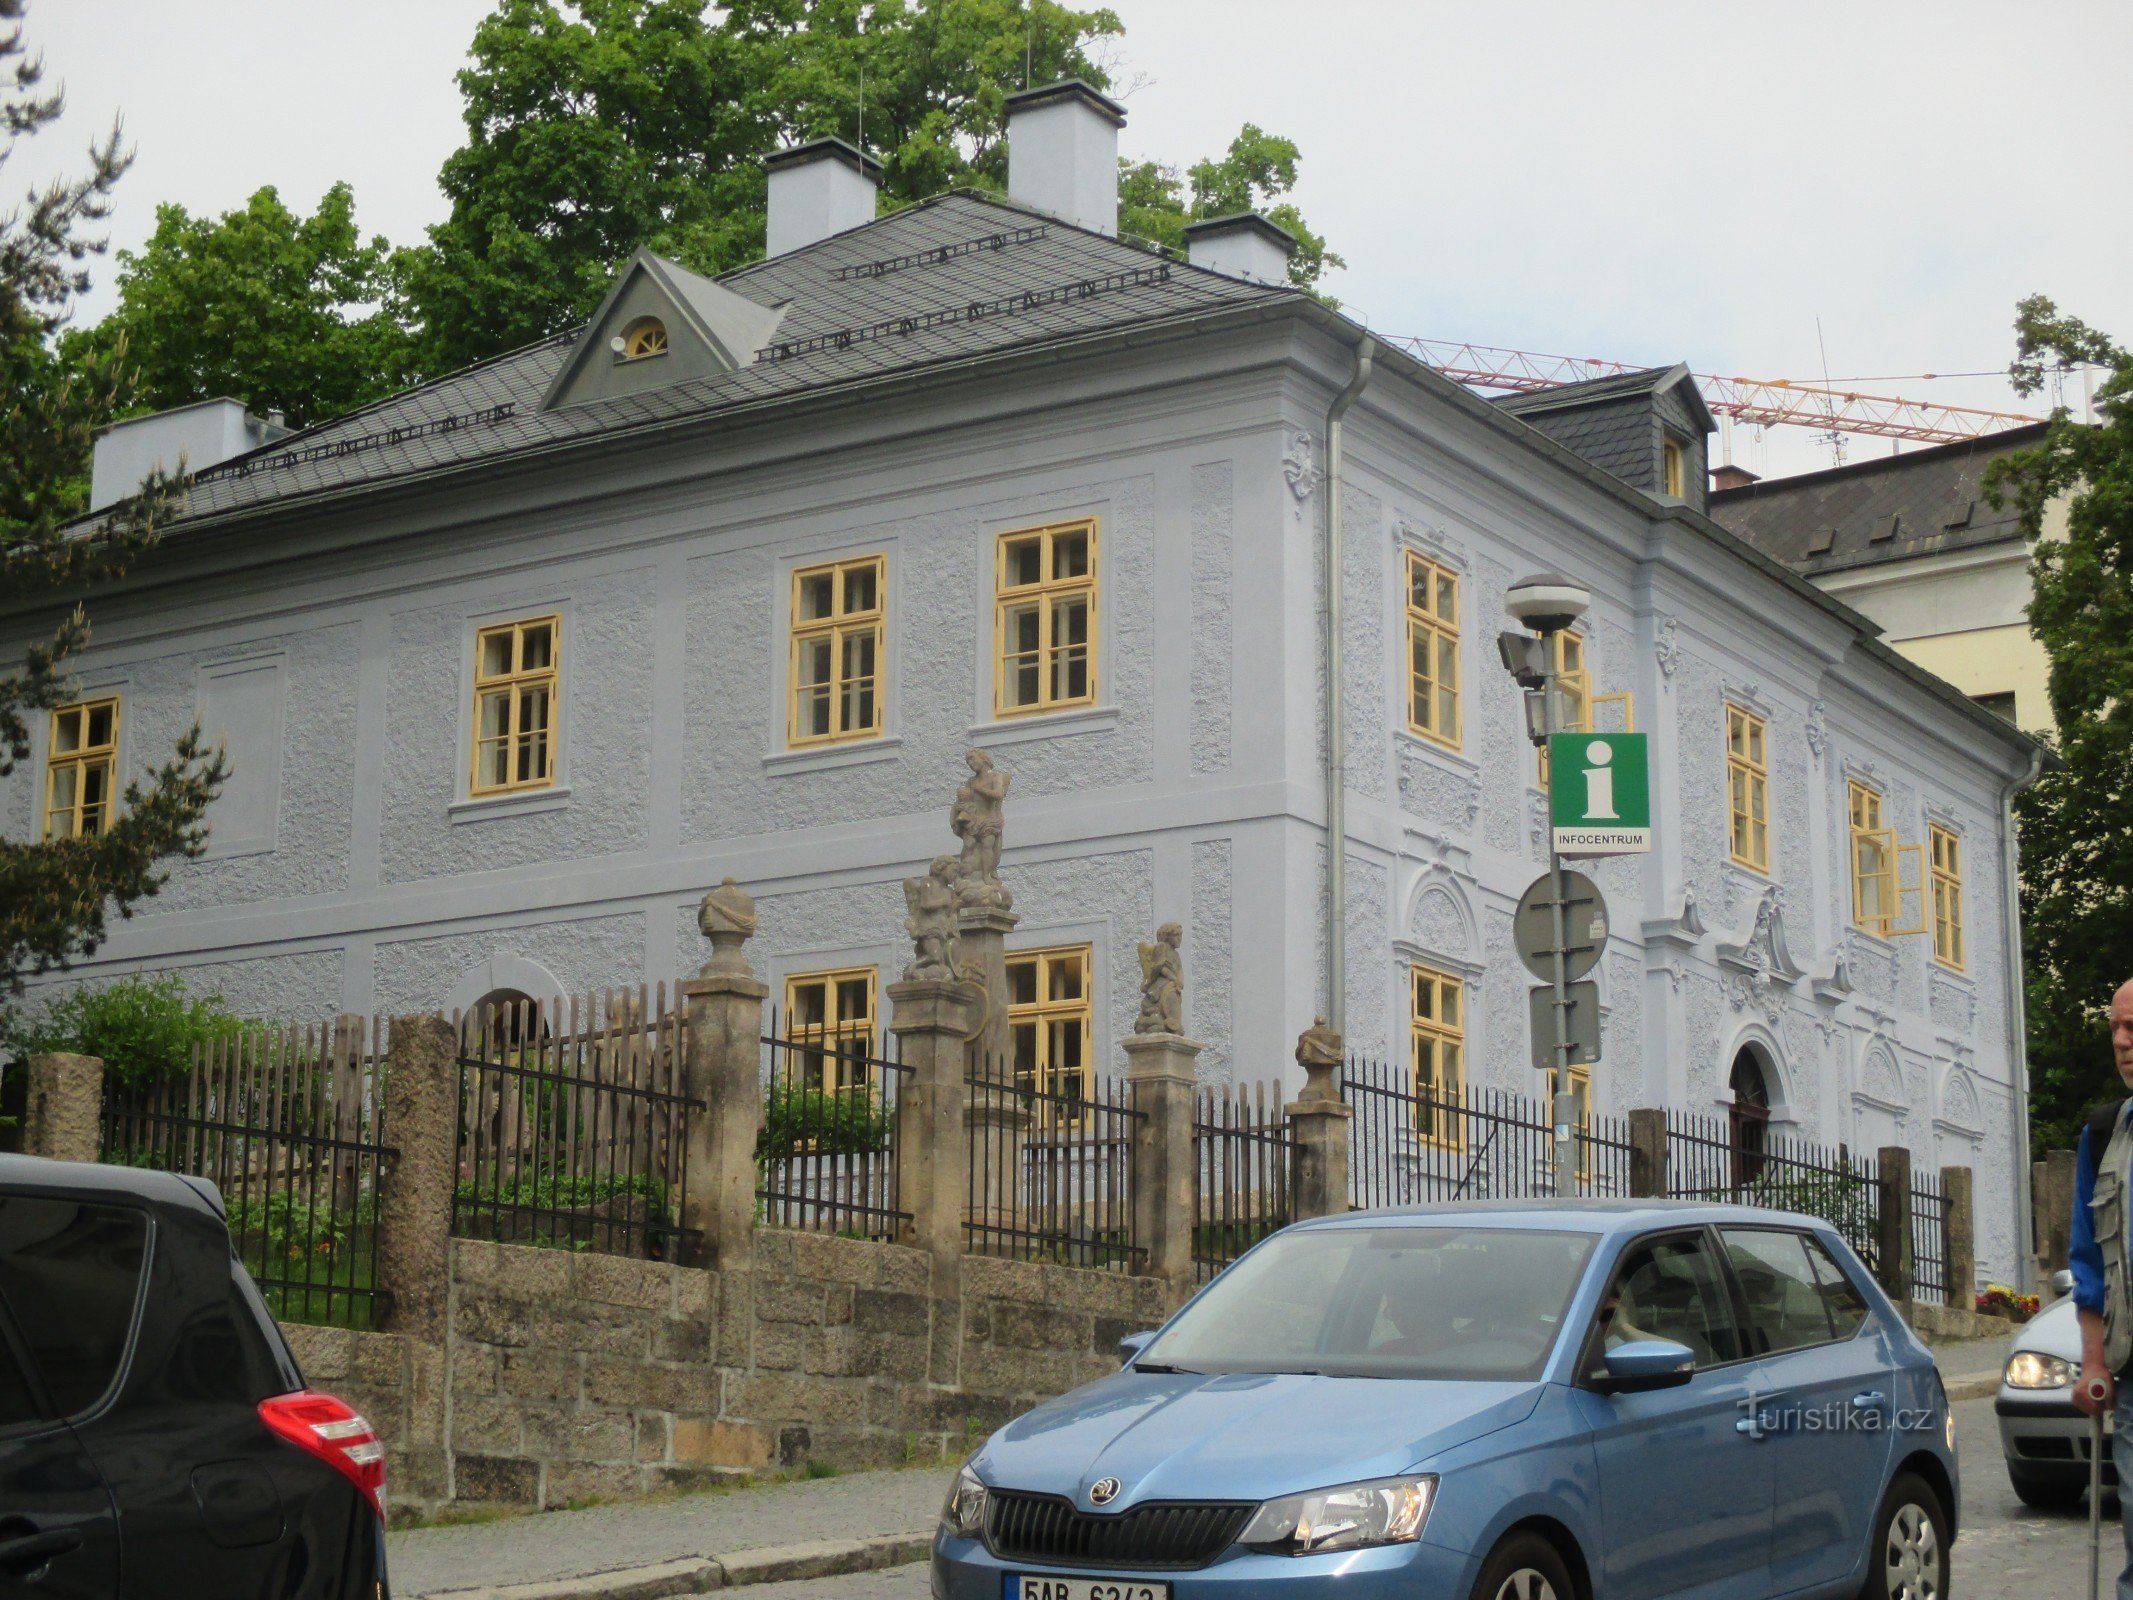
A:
(1318, 1122)
(933, 1021)
(981, 931)
(1647, 1154)
(1958, 1237)
(415, 1211)
(724, 1005)
(2053, 1193)
(999, 1122)
(64, 1105)
(1892, 1238)
(1165, 1184)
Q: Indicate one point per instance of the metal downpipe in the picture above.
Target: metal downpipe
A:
(2017, 1020)
(1336, 736)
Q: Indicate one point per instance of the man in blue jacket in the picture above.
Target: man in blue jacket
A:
(2103, 1283)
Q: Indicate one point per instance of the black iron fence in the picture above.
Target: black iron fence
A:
(1709, 1158)
(1929, 1238)
(288, 1122)
(1243, 1155)
(1051, 1164)
(827, 1157)
(1409, 1145)
(574, 1124)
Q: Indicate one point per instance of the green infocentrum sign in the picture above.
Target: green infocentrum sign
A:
(1599, 794)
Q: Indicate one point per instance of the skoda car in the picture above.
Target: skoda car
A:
(1513, 1401)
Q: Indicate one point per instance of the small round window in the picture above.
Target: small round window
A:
(647, 336)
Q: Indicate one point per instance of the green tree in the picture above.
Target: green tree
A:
(2076, 823)
(1259, 168)
(54, 895)
(284, 312)
(144, 1030)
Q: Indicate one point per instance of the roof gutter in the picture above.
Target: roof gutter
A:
(1336, 733)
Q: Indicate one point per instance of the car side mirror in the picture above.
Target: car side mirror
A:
(1648, 1364)
(2062, 1283)
(1130, 1347)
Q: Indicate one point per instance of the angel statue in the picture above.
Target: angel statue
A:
(978, 818)
(931, 924)
(1162, 983)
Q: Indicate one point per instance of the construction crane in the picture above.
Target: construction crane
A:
(1764, 402)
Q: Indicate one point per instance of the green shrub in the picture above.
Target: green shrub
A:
(799, 1120)
(142, 1029)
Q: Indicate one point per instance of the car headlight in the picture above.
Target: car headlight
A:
(1351, 1517)
(964, 1514)
(2026, 1369)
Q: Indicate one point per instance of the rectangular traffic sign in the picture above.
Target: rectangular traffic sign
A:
(1599, 794)
(1584, 1023)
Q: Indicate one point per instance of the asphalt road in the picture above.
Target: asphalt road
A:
(2004, 1547)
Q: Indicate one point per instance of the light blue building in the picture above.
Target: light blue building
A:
(514, 665)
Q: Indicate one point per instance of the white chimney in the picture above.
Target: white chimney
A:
(817, 189)
(196, 437)
(1062, 153)
(1241, 245)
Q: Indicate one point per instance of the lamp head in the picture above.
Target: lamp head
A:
(1547, 602)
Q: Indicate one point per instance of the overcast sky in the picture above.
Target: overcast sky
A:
(1631, 179)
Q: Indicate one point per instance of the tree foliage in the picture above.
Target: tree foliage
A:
(1254, 174)
(54, 896)
(142, 1029)
(2077, 821)
(284, 312)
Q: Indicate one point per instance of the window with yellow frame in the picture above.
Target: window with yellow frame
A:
(517, 671)
(1433, 650)
(1748, 788)
(1045, 619)
(1581, 1101)
(1573, 689)
(1945, 863)
(81, 770)
(1874, 885)
(834, 1013)
(1049, 1015)
(1438, 1054)
(837, 622)
(1673, 468)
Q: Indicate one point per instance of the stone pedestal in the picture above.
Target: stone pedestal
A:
(933, 1022)
(1647, 1153)
(1161, 1073)
(1319, 1171)
(1958, 1237)
(1892, 1240)
(982, 932)
(65, 1104)
(415, 1212)
(725, 1053)
(2052, 1196)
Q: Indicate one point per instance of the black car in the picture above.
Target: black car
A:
(156, 1438)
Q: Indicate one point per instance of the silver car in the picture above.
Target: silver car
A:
(2045, 1440)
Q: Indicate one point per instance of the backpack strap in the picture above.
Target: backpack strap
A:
(2103, 1123)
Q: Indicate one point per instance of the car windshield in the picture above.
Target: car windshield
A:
(1404, 1302)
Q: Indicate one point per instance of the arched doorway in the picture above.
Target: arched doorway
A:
(1749, 1118)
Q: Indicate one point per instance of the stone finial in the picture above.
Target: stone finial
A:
(1162, 983)
(979, 819)
(1318, 1052)
(935, 956)
(727, 918)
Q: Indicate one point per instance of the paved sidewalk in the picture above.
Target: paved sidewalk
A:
(1971, 1367)
(569, 1544)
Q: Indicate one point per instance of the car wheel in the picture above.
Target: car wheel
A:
(1524, 1567)
(2046, 1494)
(1908, 1559)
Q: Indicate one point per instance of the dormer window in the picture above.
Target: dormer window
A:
(647, 336)
(1673, 469)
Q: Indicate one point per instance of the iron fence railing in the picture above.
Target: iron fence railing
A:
(827, 1158)
(1929, 1238)
(288, 1122)
(1710, 1159)
(1243, 1155)
(574, 1124)
(1051, 1168)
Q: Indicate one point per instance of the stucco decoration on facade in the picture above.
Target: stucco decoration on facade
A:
(1213, 590)
(1364, 648)
(1666, 648)
(1959, 1099)
(1954, 1001)
(1439, 922)
(1760, 1038)
(504, 972)
(1300, 469)
(580, 955)
(1369, 1027)
(1881, 1079)
(1433, 789)
(1209, 1002)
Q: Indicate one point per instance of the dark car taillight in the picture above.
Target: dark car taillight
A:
(336, 1433)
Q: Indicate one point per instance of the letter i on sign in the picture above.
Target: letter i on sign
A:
(1599, 782)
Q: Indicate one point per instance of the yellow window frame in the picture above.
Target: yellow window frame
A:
(1581, 1094)
(842, 1026)
(647, 336)
(1573, 688)
(844, 625)
(1747, 788)
(1047, 1024)
(1674, 468)
(526, 735)
(81, 769)
(1437, 1055)
(1433, 690)
(1877, 869)
(1048, 657)
(1944, 848)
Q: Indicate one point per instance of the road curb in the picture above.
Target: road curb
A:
(694, 1575)
(1980, 1386)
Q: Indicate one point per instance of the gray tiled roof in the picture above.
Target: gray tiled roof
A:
(1045, 280)
(1924, 503)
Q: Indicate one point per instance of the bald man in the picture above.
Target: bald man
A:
(2103, 1296)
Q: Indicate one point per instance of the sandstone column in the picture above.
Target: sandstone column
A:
(1165, 1181)
(724, 1070)
(1892, 1234)
(1318, 1120)
(2053, 1180)
(999, 1122)
(415, 1211)
(65, 1105)
(1647, 1153)
(933, 1019)
(1958, 1237)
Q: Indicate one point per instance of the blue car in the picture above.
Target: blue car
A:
(1547, 1400)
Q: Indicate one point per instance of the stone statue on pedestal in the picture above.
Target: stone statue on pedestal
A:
(931, 924)
(978, 818)
(1318, 1052)
(1162, 983)
(726, 917)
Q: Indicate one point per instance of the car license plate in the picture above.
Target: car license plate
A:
(1028, 1588)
